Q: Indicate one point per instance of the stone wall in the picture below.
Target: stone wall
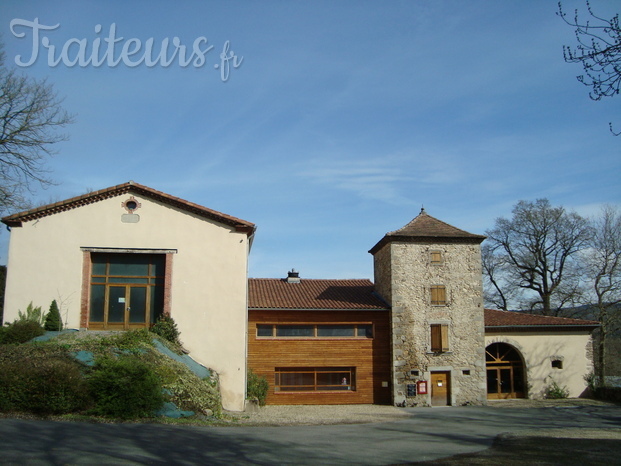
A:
(409, 272)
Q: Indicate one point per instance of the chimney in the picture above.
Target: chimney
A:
(293, 276)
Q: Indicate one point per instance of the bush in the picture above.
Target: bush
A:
(555, 392)
(20, 331)
(166, 328)
(125, 387)
(257, 387)
(32, 314)
(53, 321)
(37, 381)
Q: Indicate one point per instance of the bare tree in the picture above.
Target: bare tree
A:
(531, 258)
(599, 52)
(495, 289)
(602, 262)
(30, 114)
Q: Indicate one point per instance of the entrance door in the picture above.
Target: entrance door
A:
(127, 290)
(440, 388)
(505, 372)
(127, 307)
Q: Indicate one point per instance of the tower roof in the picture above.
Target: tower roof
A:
(427, 229)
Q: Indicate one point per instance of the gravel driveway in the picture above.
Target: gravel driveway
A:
(359, 414)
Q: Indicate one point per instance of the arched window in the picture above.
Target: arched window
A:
(506, 376)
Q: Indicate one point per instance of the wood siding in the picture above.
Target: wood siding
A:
(370, 356)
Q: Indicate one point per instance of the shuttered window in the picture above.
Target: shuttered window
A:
(438, 295)
(439, 338)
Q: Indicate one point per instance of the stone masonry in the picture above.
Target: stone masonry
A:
(408, 262)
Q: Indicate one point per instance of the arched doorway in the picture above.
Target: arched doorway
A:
(505, 372)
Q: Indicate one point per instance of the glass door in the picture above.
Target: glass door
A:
(127, 290)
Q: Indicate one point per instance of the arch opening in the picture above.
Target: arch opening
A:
(506, 375)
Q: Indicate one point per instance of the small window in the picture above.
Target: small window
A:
(295, 330)
(336, 330)
(466, 372)
(557, 364)
(438, 295)
(264, 330)
(436, 257)
(439, 338)
(414, 373)
(364, 331)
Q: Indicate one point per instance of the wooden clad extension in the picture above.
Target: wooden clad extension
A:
(367, 357)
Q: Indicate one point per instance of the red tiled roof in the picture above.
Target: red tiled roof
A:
(424, 227)
(129, 187)
(275, 293)
(495, 318)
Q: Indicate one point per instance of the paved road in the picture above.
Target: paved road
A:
(429, 433)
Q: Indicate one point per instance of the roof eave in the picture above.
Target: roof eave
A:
(540, 327)
(331, 309)
(474, 239)
(17, 219)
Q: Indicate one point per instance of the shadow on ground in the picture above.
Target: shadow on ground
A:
(516, 450)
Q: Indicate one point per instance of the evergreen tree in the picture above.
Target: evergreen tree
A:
(53, 321)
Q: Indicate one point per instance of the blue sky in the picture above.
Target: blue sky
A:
(343, 119)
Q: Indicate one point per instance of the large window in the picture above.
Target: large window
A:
(315, 379)
(127, 290)
(315, 330)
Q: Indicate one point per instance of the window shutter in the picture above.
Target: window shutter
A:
(436, 338)
(438, 295)
(444, 333)
(439, 338)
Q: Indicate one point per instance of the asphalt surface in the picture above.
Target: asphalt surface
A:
(427, 434)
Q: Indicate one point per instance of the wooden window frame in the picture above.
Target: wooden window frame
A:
(439, 337)
(436, 257)
(438, 295)
(152, 282)
(360, 332)
(349, 374)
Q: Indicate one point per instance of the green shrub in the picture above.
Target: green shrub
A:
(125, 387)
(38, 381)
(53, 321)
(257, 387)
(555, 392)
(166, 328)
(20, 331)
(32, 314)
(188, 391)
(133, 341)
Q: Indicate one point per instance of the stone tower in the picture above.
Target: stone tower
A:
(429, 272)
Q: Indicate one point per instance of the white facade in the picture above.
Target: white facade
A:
(206, 269)
(564, 357)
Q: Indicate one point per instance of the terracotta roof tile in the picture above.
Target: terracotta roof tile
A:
(424, 227)
(275, 293)
(495, 318)
(129, 187)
